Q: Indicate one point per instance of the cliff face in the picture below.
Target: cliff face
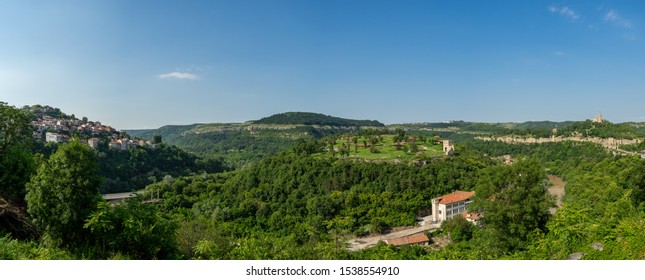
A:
(609, 143)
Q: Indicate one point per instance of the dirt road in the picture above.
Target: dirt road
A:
(557, 189)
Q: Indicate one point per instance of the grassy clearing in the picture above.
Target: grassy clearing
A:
(386, 149)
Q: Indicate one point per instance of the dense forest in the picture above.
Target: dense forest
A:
(133, 169)
(295, 204)
(314, 119)
(239, 148)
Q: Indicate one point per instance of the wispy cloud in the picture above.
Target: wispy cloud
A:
(559, 53)
(179, 75)
(564, 11)
(613, 17)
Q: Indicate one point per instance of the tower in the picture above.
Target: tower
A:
(435, 209)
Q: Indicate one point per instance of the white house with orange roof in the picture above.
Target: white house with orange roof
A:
(447, 206)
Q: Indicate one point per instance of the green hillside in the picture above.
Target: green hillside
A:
(383, 148)
(315, 119)
(165, 131)
(243, 144)
(317, 199)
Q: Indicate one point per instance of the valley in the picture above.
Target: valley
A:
(311, 186)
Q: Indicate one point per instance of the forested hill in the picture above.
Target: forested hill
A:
(164, 131)
(241, 144)
(315, 119)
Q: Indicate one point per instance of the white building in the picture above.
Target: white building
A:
(447, 206)
(115, 145)
(93, 142)
(53, 137)
(643, 154)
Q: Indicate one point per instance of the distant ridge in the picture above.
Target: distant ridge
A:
(306, 118)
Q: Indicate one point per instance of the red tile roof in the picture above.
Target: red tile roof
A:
(455, 197)
(471, 216)
(407, 240)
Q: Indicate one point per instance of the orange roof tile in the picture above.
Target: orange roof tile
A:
(407, 240)
(455, 197)
(472, 216)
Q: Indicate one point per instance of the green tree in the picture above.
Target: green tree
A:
(16, 161)
(64, 192)
(373, 141)
(132, 228)
(16, 166)
(400, 135)
(458, 228)
(414, 147)
(157, 139)
(514, 202)
(15, 127)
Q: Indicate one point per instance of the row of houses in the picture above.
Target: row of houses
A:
(51, 129)
(47, 123)
(60, 138)
(118, 144)
(124, 144)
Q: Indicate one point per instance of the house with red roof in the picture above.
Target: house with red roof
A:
(449, 205)
(472, 217)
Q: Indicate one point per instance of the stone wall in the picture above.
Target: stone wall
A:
(610, 143)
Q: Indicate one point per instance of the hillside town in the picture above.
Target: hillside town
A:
(51, 125)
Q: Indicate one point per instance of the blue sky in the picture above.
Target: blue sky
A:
(144, 64)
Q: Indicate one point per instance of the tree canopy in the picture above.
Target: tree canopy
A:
(514, 202)
(314, 119)
(64, 192)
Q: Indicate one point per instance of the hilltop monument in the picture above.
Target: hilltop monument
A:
(598, 118)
